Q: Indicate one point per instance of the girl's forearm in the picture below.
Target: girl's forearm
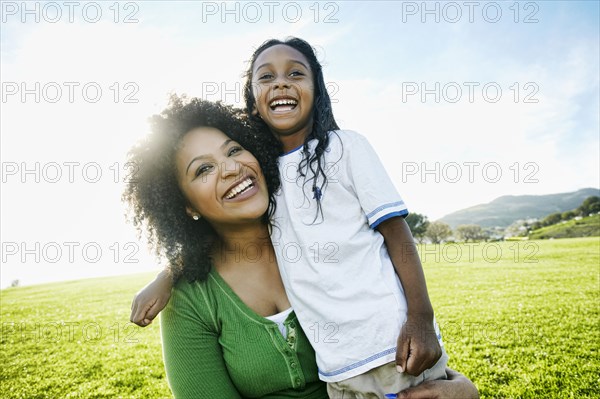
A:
(404, 256)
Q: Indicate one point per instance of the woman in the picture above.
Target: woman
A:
(228, 331)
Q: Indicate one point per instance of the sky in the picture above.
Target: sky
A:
(463, 101)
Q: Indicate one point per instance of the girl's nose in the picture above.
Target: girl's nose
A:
(281, 82)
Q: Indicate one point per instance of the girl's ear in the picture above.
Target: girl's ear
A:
(254, 111)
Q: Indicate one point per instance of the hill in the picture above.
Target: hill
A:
(505, 210)
(584, 227)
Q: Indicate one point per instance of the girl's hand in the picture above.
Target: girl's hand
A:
(418, 346)
(151, 299)
(457, 386)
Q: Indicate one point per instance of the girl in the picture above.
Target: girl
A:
(345, 254)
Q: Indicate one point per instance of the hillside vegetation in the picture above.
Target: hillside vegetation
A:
(584, 227)
(505, 210)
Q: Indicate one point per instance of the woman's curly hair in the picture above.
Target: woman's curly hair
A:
(154, 196)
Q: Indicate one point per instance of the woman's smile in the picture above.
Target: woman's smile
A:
(241, 191)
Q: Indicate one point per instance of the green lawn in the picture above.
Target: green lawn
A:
(521, 319)
(526, 325)
(74, 340)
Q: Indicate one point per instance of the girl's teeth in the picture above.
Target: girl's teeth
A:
(288, 103)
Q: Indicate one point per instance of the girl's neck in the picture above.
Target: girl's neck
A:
(294, 140)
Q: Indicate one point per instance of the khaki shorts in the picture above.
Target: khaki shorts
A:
(375, 383)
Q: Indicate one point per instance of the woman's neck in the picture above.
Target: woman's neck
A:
(243, 245)
(246, 261)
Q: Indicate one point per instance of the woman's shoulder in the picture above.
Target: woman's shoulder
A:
(184, 286)
(192, 290)
(195, 299)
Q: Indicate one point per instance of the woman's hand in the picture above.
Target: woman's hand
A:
(151, 299)
(457, 386)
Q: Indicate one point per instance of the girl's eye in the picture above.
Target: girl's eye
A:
(296, 73)
(234, 150)
(266, 75)
(202, 169)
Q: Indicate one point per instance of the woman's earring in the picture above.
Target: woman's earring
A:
(195, 217)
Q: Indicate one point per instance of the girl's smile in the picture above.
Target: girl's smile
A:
(283, 104)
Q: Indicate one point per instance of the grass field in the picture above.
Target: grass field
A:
(521, 319)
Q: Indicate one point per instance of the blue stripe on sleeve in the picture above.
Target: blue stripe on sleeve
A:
(382, 207)
(389, 216)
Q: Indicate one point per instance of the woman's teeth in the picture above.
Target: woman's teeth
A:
(240, 188)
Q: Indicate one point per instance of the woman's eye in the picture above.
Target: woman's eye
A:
(202, 169)
(234, 150)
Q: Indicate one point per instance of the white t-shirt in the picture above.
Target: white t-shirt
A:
(335, 267)
(279, 319)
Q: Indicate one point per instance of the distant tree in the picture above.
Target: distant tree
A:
(438, 231)
(418, 225)
(590, 205)
(518, 228)
(536, 225)
(470, 232)
(568, 215)
(553, 218)
(15, 283)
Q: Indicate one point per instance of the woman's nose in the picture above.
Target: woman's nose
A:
(229, 167)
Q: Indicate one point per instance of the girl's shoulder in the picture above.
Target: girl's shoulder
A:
(346, 136)
(342, 139)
